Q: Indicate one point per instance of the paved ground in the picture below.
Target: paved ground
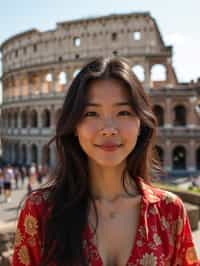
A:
(8, 214)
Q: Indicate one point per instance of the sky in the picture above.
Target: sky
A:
(178, 21)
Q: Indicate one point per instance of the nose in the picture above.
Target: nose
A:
(109, 129)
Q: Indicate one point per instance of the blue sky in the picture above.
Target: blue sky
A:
(178, 20)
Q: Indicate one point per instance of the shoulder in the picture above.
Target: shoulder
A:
(169, 203)
(154, 194)
(37, 203)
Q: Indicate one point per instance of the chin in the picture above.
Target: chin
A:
(109, 163)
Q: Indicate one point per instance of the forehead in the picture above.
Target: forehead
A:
(105, 90)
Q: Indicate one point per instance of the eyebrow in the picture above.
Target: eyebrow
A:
(115, 104)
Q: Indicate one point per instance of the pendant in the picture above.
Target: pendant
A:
(112, 215)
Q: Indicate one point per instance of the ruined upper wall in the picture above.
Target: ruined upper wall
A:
(128, 35)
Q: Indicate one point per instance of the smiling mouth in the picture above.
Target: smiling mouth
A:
(109, 147)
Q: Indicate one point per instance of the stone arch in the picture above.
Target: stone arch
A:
(49, 77)
(15, 118)
(159, 113)
(34, 153)
(197, 109)
(180, 115)
(46, 151)
(77, 41)
(10, 151)
(139, 72)
(9, 119)
(160, 153)
(179, 158)
(24, 154)
(62, 81)
(114, 36)
(158, 72)
(46, 118)
(47, 82)
(34, 119)
(57, 115)
(16, 152)
(24, 119)
(62, 77)
(9, 146)
(198, 158)
(34, 80)
(137, 35)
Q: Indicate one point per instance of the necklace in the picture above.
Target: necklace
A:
(134, 192)
(111, 209)
(111, 214)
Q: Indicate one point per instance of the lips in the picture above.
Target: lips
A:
(109, 146)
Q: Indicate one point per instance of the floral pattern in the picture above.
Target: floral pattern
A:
(163, 237)
(148, 260)
(31, 225)
(18, 238)
(191, 256)
(24, 256)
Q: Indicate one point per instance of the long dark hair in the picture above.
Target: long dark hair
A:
(69, 186)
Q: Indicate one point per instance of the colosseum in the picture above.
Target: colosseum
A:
(39, 66)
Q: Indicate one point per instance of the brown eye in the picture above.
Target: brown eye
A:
(90, 114)
(125, 113)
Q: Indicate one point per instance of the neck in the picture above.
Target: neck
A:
(106, 183)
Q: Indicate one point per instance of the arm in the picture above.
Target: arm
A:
(27, 247)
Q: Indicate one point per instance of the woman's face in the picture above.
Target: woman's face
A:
(109, 128)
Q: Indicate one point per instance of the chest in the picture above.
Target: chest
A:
(115, 236)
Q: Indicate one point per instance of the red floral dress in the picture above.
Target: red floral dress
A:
(163, 235)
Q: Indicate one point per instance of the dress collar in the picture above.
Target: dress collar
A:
(149, 197)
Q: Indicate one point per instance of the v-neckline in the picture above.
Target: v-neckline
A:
(137, 234)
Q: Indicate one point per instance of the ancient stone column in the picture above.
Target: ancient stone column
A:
(168, 113)
(191, 155)
(191, 113)
(168, 156)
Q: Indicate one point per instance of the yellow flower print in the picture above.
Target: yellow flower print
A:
(31, 225)
(24, 256)
(156, 239)
(169, 197)
(164, 223)
(139, 243)
(191, 256)
(18, 238)
(148, 260)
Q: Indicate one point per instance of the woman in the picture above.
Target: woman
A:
(100, 208)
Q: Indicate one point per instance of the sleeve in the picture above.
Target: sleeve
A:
(185, 253)
(27, 246)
